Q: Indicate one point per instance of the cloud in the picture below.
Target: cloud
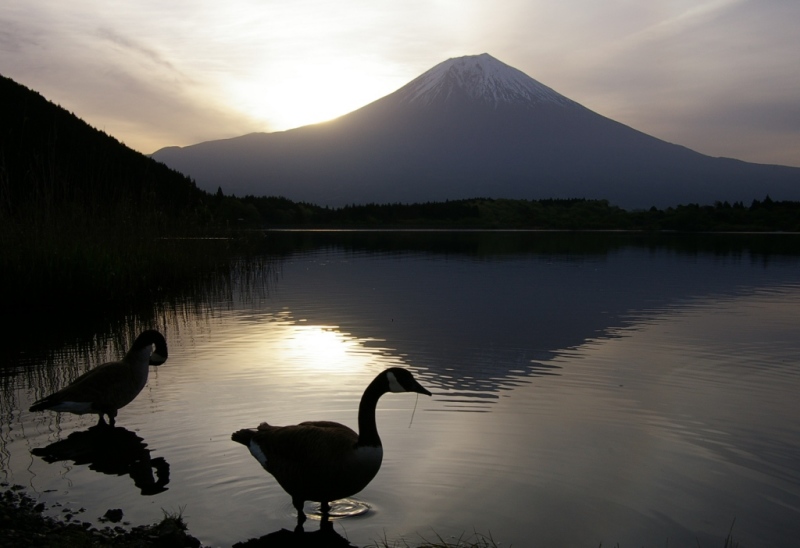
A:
(156, 74)
(718, 77)
(136, 49)
(116, 76)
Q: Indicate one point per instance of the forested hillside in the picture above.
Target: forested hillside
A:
(52, 164)
(82, 216)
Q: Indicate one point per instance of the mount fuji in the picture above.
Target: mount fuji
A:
(474, 127)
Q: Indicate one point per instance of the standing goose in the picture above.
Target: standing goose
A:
(110, 386)
(324, 461)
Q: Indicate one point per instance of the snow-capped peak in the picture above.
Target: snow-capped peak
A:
(481, 77)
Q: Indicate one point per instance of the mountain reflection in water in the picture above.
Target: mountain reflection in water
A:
(587, 388)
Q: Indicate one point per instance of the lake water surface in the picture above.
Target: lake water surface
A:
(588, 388)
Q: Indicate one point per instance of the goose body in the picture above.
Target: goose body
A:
(110, 386)
(323, 461)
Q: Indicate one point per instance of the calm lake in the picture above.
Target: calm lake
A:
(587, 389)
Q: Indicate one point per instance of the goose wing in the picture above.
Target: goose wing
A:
(313, 460)
(308, 444)
(109, 384)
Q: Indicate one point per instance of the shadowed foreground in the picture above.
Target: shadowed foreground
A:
(22, 523)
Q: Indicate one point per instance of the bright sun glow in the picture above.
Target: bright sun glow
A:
(292, 96)
(320, 348)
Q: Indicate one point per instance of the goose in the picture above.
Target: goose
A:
(324, 461)
(110, 386)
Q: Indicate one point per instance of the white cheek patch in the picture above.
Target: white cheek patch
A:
(394, 386)
(256, 451)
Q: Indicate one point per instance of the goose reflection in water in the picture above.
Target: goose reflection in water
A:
(114, 451)
(324, 537)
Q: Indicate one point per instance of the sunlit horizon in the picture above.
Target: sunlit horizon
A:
(309, 94)
(718, 77)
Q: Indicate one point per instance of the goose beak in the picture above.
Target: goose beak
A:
(419, 389)
(160, 352)
(157, 359)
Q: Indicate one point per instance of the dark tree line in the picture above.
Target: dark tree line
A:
(547, 214)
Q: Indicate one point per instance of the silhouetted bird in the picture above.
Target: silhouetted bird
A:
(110, 386)
(324, 461)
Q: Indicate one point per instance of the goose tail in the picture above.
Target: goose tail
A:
(244, 436)
(43, 404)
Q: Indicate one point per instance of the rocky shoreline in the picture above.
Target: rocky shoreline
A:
(23, 523)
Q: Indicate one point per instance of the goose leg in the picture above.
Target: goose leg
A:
(301, 516)
(325, 523)
(112, 416)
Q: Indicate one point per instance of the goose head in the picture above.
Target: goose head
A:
(398, 380)
(145, 342)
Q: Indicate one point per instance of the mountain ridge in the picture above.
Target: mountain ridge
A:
(482, 77)
(474, 126)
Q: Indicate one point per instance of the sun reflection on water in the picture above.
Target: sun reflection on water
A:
(320, 348)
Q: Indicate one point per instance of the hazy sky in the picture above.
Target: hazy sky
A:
(719, 76)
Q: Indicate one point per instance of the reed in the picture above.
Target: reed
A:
(68, 256)
(475, 540)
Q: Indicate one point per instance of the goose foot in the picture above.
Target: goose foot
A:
(111, 418)
(301, 515)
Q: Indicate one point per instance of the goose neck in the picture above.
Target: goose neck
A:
(139, 362)
(367, 427)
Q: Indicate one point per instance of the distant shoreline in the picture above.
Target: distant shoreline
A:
(276, 213)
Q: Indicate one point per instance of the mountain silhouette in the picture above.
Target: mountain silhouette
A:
(49, 158)
(474, 127)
